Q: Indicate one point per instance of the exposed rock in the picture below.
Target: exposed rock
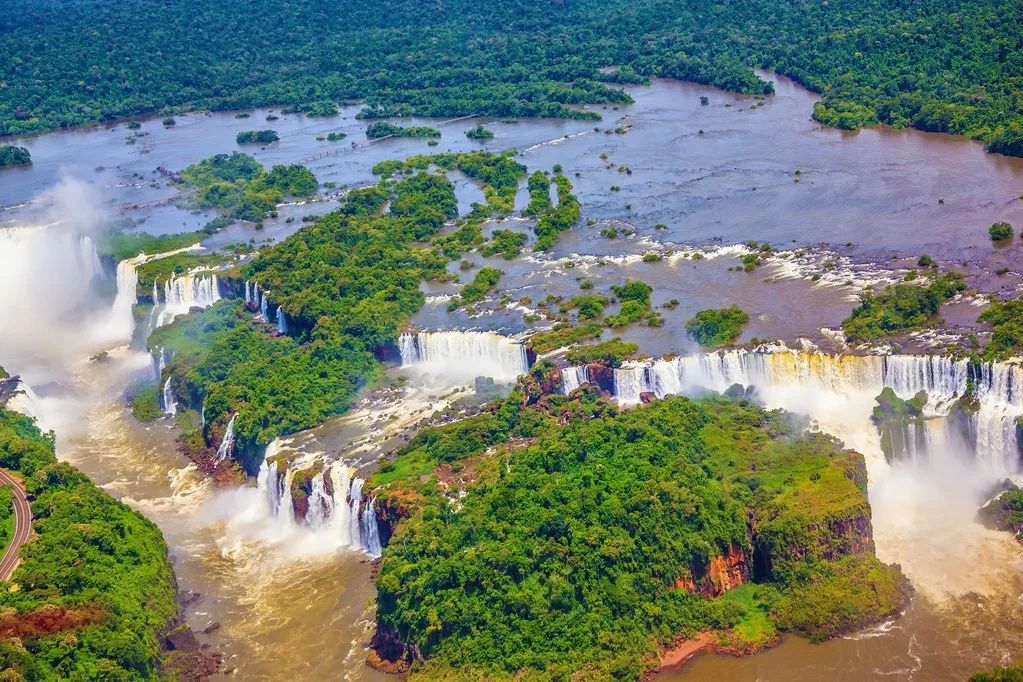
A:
(390, 509)
(187, 659)
(721, 573)
(900, 424)
(215, 625)
(1005, 511)
(602, 375)
(389, 653)
(647, 397)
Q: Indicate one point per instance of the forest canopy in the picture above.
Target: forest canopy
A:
(944, 65)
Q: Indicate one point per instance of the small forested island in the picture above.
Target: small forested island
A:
(381, 129)
(241, 188)
(588, 541)
(718, 326)
(257, 137)
(479, 133)
(11, 156)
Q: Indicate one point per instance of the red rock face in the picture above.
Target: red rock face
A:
(722, 573)
(300, 505)
(646, 397)
(601, 375)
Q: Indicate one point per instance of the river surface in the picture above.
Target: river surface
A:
(289, 604)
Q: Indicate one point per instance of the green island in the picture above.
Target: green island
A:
(717, 327)
(124, 245)
(594, 539)
(257, 137)
(241, 189)
(381, 129)
(900, 307)
(94, 591)
(905, 65)
(347, 282)
(11, 156)
(1006, 320)
(479, 132)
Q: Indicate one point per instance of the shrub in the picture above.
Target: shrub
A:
(1000, 231)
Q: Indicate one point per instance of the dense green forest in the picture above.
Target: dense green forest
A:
(94, 589)
(241, 188)
(347, 283)
(943, 65)
(590, 538)
(11, 156)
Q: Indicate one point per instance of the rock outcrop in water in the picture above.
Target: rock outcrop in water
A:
(900, 424)
(1005, 511)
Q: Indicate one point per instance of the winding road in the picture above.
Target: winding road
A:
(22, 527)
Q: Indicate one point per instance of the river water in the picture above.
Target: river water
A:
(289, 604)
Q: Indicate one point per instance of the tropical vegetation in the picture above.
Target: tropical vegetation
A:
(578, 540)
(717, 326)
(900, 307)
(942, 66)
(14, 156)
(94, 589)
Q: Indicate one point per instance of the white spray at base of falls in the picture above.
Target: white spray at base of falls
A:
(840, 390)
(923, 508)
(334, 507)
(181, 293)
(461, 356)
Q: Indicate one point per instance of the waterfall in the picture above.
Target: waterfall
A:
(282, 321)
(227, 443)
(464, 355)
(170, 403)
(184, 292)
(334, 501)
(248, 291)
(122, 313)
(838, 391)
(159, 363)
(370, 529)
(572, 378)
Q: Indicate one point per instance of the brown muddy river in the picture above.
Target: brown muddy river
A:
(714, 175)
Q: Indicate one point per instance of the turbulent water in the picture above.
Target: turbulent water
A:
(292, 595)
(181, 293)
(924, 503)
(461, 356)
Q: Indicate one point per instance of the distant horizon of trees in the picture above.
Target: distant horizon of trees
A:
(954, 67)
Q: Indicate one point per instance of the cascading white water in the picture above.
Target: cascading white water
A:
(797, 380)
(170, 403)
(334, 502)
(370, 529)
(572, 378)
(226, 447)
(464, 355)
(248, 291)
(282, 321)
(184, 292)
(263, 303)
(924, 504)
